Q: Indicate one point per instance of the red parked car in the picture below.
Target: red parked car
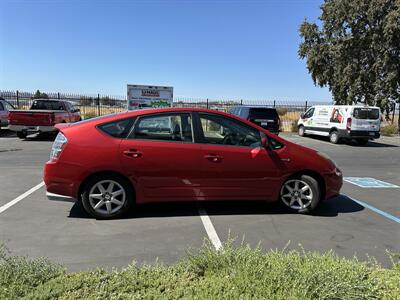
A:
(179, 154)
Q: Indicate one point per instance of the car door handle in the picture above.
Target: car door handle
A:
(213, 157)
(285, 159)
(132, 153)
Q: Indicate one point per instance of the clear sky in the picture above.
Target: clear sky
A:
(215, 49)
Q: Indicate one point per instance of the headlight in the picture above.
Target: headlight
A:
(58, 146)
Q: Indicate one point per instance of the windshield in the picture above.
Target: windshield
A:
(366, 113)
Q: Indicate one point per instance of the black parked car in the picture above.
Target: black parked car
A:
(267, 118)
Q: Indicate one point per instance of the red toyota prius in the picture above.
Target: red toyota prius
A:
(183, 154)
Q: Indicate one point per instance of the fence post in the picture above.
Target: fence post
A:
(58, 95)
(241, 101)
(274, 103)
(207, 103)
(17, 99)
(306, 106)
(98, 104)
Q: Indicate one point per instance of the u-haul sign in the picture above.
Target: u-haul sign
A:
(145, 96)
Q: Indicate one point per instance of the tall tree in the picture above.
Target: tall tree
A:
(40, 95)
(356, 52)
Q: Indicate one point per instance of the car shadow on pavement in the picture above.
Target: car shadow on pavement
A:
(329, 208)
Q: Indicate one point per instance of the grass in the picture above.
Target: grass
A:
(234, 273)
(389, 130)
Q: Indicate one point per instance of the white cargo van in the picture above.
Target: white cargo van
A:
(341, 122)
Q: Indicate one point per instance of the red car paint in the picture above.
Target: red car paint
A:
(176, 171)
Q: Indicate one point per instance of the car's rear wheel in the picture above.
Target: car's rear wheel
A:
(334, 137)
(302, 131)
(107, 196)
(301, 194)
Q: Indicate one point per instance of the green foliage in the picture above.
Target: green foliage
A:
(389, 130)
(233, 273)
(40, 95)
(356, 53)
(19, 275)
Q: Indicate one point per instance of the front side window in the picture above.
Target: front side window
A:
(9, 106)
(220, 130)
(165, 127)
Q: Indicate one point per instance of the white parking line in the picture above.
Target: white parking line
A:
(209, 227)
(21, 197)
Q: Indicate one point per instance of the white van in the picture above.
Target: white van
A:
(345, 122)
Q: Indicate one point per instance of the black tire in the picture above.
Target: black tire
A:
(123, 183)
(22, 134)
(315, 190)
(334, 137)
(301, 131)
(362, 142)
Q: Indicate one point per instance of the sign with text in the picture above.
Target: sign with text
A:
(146, 96)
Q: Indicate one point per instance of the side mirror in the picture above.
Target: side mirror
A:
(302, 115)
(264, 142)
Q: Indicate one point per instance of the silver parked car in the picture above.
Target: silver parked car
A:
(5, 107)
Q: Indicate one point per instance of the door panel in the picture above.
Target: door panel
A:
(239, 173)
(162, 170)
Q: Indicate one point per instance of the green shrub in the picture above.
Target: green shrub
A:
(233, 273)
(19, 275)
(389, 130)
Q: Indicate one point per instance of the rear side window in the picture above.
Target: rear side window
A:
(47, 105)
(1, 106)
(366, 113)
(117, 129)
(263, 113)
(165, 127)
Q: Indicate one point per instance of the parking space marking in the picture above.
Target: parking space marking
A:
(20, 197)
(376, 210)
(209, 227)
(368, 182)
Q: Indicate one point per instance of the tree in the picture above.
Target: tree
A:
(356, 53)
(39, 95)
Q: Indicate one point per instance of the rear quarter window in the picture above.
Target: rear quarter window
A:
(117, 129)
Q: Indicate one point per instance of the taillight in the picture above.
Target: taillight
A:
(348, 125)
(58, 146)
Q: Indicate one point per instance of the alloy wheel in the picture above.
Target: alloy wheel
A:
(107, 197)
(296, 194)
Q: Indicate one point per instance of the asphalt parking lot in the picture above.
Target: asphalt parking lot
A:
(361, 222)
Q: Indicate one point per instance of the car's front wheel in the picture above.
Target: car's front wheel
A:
(301, 194)
(302, 130)
(107, 196)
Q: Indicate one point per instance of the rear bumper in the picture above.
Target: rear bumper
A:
(362, 134)
(33, 128)
(62, 178)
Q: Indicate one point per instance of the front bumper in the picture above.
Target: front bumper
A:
(333, 183)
